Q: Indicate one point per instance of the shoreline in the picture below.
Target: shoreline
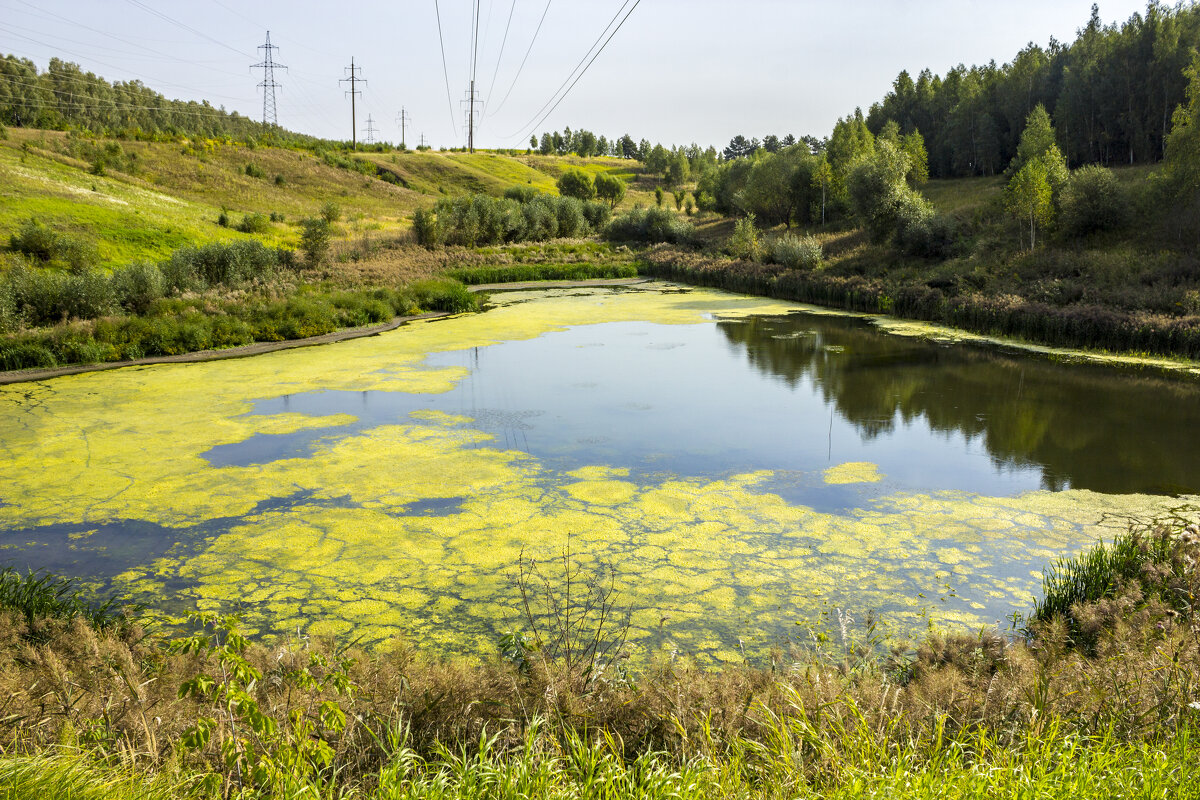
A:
(261, 348)
(885, 323)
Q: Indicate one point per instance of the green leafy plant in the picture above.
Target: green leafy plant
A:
(256, 749)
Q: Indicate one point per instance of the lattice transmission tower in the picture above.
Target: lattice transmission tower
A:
(268, 65)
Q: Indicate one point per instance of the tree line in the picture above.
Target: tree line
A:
(1111, 94)
(64, 96)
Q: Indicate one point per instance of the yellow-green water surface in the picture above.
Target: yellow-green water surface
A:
(744, 467)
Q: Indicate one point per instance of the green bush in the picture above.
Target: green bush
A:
(25, 355)
(522, 194)
(480, 220)
(795, 252)
(314, 241)
(650, 225)
(138, 286)
(743, 242)
(425, 227)
(45, 297)
(254, 223)
(255, 171)
(87, 295)
(221, 263)
(331, 212)
(920, 232)
(610, 188)
(597, 214)
(34, 240)
(1091, 201)
(571, 222)
(576, 183)
(542, 272)
(42, 243)
(444, 294)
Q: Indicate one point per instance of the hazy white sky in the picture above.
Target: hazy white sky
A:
(677, 71)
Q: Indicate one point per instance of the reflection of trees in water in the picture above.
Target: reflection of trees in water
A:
(1085, 426)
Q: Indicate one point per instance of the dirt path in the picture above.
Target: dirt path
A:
(258, 348)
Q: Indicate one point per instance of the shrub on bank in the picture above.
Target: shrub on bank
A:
(1091, 201)
(522, 215)
(794, 252)
(650, 225)
(138, 286)
(44, 297)
(219, 264)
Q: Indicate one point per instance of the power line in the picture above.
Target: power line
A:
(585, 69)
(587, 53)
(268, 84)
(445, 74)
(157, 54)
(111, 66)
(526, 58)
(503, 41)
(471, 105)
(184, 26)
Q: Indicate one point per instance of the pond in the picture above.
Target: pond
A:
(749, 469)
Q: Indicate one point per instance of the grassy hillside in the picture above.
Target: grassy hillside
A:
(154, 197)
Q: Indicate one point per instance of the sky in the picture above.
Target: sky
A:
(674, 71)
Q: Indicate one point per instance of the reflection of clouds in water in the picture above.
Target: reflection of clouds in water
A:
(411, 527)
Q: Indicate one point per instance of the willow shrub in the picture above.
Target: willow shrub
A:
(650, 225)
(522, 215)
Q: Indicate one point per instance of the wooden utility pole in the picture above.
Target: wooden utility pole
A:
(354, 80)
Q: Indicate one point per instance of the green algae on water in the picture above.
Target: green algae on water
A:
(327, 543)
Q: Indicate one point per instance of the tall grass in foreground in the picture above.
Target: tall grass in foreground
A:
(41, 595)
(69, 776)
(1147, 568)
(561, 764)
(1100, 700)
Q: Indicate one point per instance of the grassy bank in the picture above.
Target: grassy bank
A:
(212, 297)
(1099, 699)
(921, 295)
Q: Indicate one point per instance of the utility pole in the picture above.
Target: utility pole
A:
(470, 102)
(422, 141)
(403, 117)
(371, 130)
(268, 85)
(474, 64)
(353, 80)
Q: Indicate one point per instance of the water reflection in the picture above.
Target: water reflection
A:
(1087, 427)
